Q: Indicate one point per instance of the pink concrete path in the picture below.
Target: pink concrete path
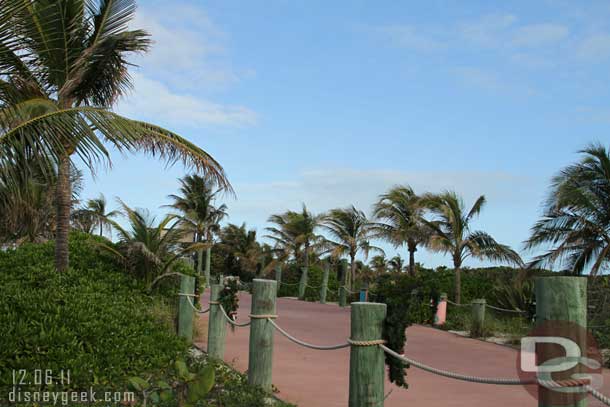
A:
(311, 378)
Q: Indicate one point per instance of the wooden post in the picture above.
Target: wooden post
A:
(324, 288)
(561, 299)
(260, 356)
(342, 288)
(303, 283)
(366, 363)
(217, 326)
(477, 328)
(185, 310)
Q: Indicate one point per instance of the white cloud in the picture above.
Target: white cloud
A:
(538, 34)
(488, 29)
(409, 37)
(188, 50)
(595, 47)
(153, 100)
(325, 189)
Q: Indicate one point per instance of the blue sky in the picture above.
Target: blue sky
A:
(332, 103)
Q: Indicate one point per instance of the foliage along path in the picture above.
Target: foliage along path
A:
(313, 378)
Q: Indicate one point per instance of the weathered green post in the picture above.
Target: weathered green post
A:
(217, 326)
(561, 299)
(366, 362)
(260, 356)
(324, 287)
(185, 310)
(477, 328)
(303, 283)
(342, 288)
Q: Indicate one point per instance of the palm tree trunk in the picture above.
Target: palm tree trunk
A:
(352, 271)
(200, 263)
(63, 196)
(101, 228)
(412, 247)
(458, 283)
(303, 281)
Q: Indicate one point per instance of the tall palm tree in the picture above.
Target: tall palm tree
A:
(199, 214)
(97, 208)
(401, 220)
(295, 234)
(148, 248)
(576, 221)
(351, 232)
(451, 234)
(63, 64)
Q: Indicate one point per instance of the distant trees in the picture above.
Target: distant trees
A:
(401, 220)
(294, 233)
(149, 248)
(199, 213)
(94, 215)
(350, 233)
(576, 220)
(451, 234)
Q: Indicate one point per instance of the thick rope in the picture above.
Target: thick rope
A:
(373, 342)
(230, 320)
(456, 304)
(314, 287)
(305, 344)
(262, 316)
(289, 284)
(348, 290)
(195, 308)
(601, 397)
(501, 381)
(186, 295)
(516, 311)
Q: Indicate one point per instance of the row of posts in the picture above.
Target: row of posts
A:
(342, 293)
(557, 299)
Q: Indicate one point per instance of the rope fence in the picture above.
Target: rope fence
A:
(362, 342)
(516, 311)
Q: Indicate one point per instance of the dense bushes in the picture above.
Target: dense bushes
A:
(93, 320)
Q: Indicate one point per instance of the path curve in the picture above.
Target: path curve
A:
(313, 378)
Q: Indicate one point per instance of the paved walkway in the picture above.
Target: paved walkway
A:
(311, 378)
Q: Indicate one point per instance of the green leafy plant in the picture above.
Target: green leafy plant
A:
(186, 386)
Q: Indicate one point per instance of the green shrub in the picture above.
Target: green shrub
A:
(94, 320)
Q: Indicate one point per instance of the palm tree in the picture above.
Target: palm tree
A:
(351, 232)
(97, 209)
(379, 264)
(576, 221)
(199, 214)
(149, 249)
(240, 244)
(396, 264)
(295, 234)
(27, 204)
(401, 220)
(63, 65)
(451, 234)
